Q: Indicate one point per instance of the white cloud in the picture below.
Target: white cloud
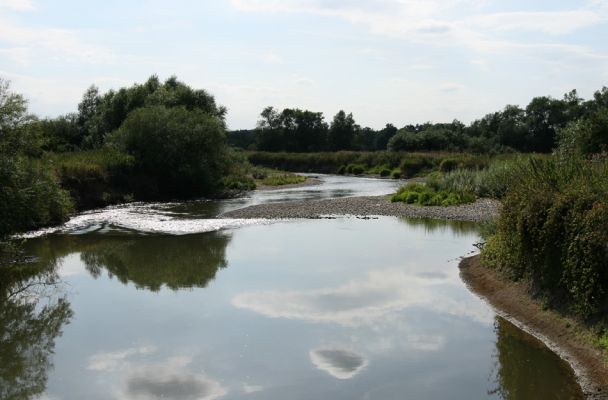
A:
(17, 5)
(436, 22)
(550, 22)
(451, 87)
(52, 44)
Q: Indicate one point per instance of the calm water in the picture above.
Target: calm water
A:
(316, 309)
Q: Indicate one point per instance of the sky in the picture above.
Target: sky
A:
(386, 61)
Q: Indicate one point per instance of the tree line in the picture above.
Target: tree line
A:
(536, 128)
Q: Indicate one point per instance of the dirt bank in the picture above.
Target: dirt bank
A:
(565, 336)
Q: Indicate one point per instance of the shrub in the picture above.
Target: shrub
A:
(30, 196)
(384, 172)
(396, 173)
(415, 193)
(184, 151)
(283, 179)
(553, 232)
(358, 169)
(448, 165)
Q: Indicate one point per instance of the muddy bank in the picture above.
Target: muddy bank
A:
(566, 337)
(481, 210)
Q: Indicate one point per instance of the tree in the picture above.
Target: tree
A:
(30, 195)
(269, 135)
(384, 135)
(342, 131)
(185, 152)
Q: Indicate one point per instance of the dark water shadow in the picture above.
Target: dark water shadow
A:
(526, 369)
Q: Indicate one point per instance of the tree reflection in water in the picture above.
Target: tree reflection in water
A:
(33, 311)
(148, 261)
(526, 369)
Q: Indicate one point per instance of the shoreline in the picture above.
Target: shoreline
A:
(566, 337)
(479, 211)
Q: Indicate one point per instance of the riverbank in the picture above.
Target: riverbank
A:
(565, 336)
(480, 210)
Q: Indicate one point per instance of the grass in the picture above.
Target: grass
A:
(272, 177)
(423, 195)
(283, 179)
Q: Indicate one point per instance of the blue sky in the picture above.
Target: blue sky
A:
(397, 61)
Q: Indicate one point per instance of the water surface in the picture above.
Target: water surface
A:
(331, 309)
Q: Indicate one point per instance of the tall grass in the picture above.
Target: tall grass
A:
(493, 181)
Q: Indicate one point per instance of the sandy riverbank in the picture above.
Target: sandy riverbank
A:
(565, 336)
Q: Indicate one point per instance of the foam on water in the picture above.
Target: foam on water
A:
(145, 218)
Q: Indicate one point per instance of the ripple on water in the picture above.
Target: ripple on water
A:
(144, 218)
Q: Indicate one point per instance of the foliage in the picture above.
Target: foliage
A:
(492, 181)
(585, 136)
(100, 114)
(184, 151)
(534, 128)
(374, 162)
(280, 179)
(415, 193)
(30, 195)
(552, 231)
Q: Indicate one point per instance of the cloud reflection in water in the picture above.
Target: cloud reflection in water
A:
(339, 363)
(364, 302)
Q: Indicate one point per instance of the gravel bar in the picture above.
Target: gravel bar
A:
(481, 210)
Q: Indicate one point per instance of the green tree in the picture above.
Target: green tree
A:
(184, 151)
(30, 195)
(342, 130)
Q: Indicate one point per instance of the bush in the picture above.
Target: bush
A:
(415, 193)
(396, 173)
(358, 169)
(553, 232)
(184, 151)
(30, 196)
(449, 164)
(384, 172)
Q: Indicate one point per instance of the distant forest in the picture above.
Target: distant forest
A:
(535, 128)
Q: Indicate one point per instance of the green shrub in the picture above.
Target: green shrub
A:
(449, 164)
(341, 170)
(283, 179)
(358, 169)
(396, 173)
(184, 151)
(384, 172)
(553, 232)
(30, 195)
(415, 193)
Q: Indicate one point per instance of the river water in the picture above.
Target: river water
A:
(162, 301)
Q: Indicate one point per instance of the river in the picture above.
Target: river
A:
(151, 301)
